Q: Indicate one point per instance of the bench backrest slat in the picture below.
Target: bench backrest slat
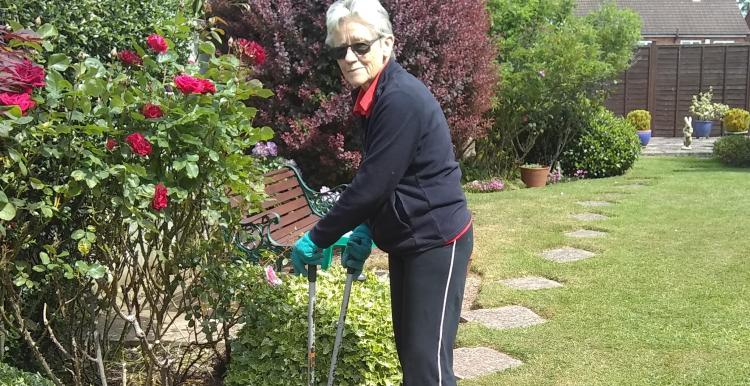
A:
(287, 199)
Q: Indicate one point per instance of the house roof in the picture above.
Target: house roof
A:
(665, 17)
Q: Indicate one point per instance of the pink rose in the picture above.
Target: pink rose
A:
(151, 111)
(29, 73)
(130, 58)
(160, 199)
(157, 43)
(23, 101)
(189, 85)
(139, 144)
(271, 277)
(111, 144)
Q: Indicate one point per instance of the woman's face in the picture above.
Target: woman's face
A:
(360, 69)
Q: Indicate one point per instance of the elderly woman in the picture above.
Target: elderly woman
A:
(406, 195)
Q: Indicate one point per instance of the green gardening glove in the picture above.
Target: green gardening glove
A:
(304, 253)
(357, 249)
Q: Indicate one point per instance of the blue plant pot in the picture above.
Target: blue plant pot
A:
(645, 136)
(702, 128)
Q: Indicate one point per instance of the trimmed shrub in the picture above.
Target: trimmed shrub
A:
(733, 150)
(11, 376)
(607, 147)
(271, 349)
(736, 120)
(94, 27)
(443, 44)
(640, 119)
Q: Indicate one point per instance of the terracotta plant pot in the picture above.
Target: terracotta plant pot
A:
(534, 177)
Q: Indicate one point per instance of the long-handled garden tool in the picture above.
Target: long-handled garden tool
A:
(312, 274)
(340, 326)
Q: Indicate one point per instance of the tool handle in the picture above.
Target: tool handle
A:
(312, 273)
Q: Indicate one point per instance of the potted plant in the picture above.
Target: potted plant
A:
(534, 175)
(705, 112)
(736, 121)
(641, 121)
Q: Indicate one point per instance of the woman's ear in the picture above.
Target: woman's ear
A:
(387, 42)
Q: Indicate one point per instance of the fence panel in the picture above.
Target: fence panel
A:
(663, 79)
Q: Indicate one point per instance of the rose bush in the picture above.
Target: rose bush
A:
(92, 232)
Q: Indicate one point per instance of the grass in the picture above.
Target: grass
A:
(666, 300)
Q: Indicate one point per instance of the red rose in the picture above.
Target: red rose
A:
(208, 86)
(189, 85)
(139, 144)
(152, 111)
(111, 144)
(130, 58)
(157, 43)
(251, 50)
(28, 73)
(23, 101)
(160, 199)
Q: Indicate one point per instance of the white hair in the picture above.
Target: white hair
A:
(370, 12)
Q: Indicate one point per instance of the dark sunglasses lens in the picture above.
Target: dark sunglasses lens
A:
(338, 52)
(361, 48)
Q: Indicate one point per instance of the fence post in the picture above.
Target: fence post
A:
(653, 54)
(747, 80)
(677, 92)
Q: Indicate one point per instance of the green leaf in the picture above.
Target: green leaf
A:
(45, 258)
(47, 212)
(97, 272)
(78, 175)
(39, 268)
(191, 169)
(8, 211)
(207, 47)
(3, 197)
(78, 234)
(84, 247)
(37, 184)
(47, 31)
(58, 62)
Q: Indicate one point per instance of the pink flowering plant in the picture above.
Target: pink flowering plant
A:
(487, 186)
(115, 186)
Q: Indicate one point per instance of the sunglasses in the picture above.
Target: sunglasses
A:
(359, 49)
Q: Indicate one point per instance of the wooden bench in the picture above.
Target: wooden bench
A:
(292, 208)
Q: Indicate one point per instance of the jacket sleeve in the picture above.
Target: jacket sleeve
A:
(391, 145)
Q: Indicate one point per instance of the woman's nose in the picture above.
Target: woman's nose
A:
(350, 57)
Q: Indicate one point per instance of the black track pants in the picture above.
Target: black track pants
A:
(426, 294)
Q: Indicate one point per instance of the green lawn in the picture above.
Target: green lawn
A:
(666, 300)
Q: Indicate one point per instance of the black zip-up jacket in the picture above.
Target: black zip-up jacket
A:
(408, 187)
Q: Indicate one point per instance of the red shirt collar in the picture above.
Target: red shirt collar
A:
(366, 98)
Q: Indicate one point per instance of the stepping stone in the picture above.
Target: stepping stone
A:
(478, 361)
(589, 217)
(504, 317)
(531, 283)
(594, 203)
(585, 233)
(567, 254)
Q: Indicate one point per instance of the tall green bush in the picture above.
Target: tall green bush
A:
(556, 69)
(271, 349)
(608, 146)
(93, 27)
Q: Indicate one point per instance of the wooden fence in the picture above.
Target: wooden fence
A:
(664, 78)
